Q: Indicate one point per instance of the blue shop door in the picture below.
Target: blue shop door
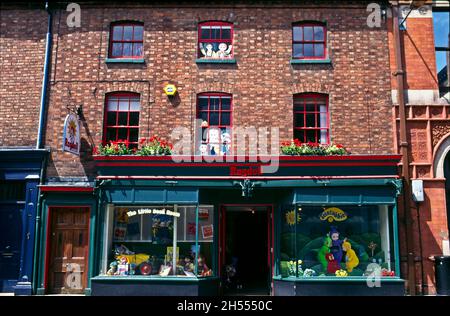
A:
(10, 245)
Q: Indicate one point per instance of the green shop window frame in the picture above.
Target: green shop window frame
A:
(328, 197)
(142, 211)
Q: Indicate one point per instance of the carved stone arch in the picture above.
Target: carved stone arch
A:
(440, 154)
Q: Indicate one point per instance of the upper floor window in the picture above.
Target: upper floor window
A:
(122, 119)
(215, 40)
(126, 40)
(215, 111)
(311, 123)
(309, 40)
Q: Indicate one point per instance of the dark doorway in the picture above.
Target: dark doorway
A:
(247, 251)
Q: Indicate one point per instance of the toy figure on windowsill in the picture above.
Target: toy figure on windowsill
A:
(203, 269)
(336, 244)
(333, 265)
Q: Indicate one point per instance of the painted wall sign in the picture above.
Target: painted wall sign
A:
(333, 214)
(144, 211)
(207, 231)
(71, 134)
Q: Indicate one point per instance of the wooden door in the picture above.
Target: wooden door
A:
(69, 244)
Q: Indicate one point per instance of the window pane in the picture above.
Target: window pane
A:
(111, 134)
(215, 32)
(214, 103)
(203, 103)
(205, 32)
(214, 118)
(138, 32)
(225, 118)
(309, 50)
(123, 104)
(308, 33)
(299, 120)
(204, 116)
(112, 104)
(298, 33)
(127, 49)
(134, 134)
(111, 118)
(134, 119)
(117, 49)
(117, 33)
(318, 50)
(137, 49)
(123, 118)
(311, 136)
(127, 33)
(123, 133)
(300, 135)
(226, 103)
(310, 107)
(310, 120)
(318, 33)
(298, 50)
(226, 32)
(134, 105)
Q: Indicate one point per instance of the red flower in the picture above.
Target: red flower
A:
(142, 140)
(95, 151)
(339, 146)
(297, 142)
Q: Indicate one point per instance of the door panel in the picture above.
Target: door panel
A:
(10, 245)
(69, 250)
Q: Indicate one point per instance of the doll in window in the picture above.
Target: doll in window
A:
(208, 52)
(224, 51)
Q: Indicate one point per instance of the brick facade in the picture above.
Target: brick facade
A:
(262, 81)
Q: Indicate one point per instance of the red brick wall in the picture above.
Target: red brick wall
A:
(22, 47)
(419, 54)
(262, 82)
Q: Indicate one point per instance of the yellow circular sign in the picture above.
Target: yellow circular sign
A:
(170, 89)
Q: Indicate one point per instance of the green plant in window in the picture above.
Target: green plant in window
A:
(113, 149)
(297, 148)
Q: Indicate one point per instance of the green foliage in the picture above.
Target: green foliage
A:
(296, 148)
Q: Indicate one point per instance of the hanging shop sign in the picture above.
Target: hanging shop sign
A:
(333, 214)
(71, 134)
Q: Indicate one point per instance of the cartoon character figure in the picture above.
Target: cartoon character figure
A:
(226, 143)
(213, 138)
(224, 51)
(333, 266)
(112, 268)
(209, 50)
(203, 149)
(351, 259)
(336, 244)
(323, 251)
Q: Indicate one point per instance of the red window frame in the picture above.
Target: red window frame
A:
(219, 126)
(121, 96)
(313, 42)
(211, 24)
(122, 41)
(299, 107)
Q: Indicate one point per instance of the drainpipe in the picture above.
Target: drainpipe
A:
(400, 75)
(48, 51)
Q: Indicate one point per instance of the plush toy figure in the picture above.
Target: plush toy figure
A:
(112, 268)
(336, 244)
(213, 138)
(321, 255)
(226, 143)
(333, 266)
(224, 51)
(209, 50)
(351, 260)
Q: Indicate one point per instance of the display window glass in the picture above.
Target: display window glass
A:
(337, 241)
(140, 241)
(215, 40)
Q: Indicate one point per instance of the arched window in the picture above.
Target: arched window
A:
(126, 40)
(309, 40)
(121, 122)
(311, 119)
(214, 109)
(215, 40)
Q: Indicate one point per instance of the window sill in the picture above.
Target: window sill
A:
(151, 278)
(124, 60)
(310, 61)
(335, 279)
(215, 61)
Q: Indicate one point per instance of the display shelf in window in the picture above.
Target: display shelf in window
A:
(215, 41)
(142, 241)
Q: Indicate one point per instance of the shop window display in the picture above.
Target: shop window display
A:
(336, 241)
(215, 40)
(159, 241)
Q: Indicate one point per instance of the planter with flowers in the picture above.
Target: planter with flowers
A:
(153, 146)
(296, 148)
